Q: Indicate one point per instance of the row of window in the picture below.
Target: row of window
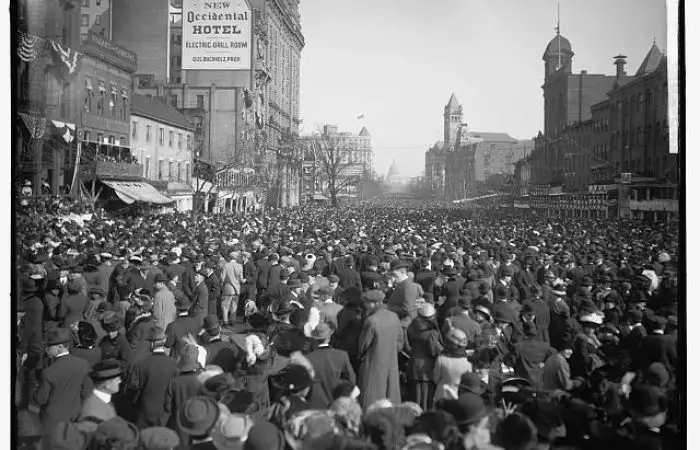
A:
(112, 140)
(161, 136)
(86, 3)
(108, 104)
(85, 20)
(168, 170)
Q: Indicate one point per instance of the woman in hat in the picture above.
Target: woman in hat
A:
(425, 342)
(587, 357)
(73, 305)
(451, 364)
(87, 348)
(293, 385)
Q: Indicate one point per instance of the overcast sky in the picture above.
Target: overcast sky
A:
(398, 61)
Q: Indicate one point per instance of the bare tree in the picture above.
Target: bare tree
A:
(336, 166)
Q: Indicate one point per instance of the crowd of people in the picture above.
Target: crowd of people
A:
(378, 327)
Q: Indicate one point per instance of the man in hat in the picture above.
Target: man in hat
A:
(180, 327)
(164, 310)
(461, 320)
(196, 419)
(280, 289)
(403, 300)
(348, 277)
(213, 283)
(105, 270)
(76, 275)
(381, 341)
(274, 278)
(657, 347)
(263, 265)
(530, 354)
(65, 384)
(556, 373)
(148, 381)
(220, 352)
(114, 345)
(182, 387)
(582, 295)
(331, 366)
(139, 275)
(107, 378)
(73, 305)
(52, 301)
(32, 330)
(250, 277)
(200, 297)
(232, 277)
(425, 275)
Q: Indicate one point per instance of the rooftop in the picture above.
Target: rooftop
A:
(158, 111)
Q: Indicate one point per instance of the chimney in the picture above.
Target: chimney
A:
(620, 61)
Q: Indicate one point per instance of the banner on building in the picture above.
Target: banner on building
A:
(216, 35)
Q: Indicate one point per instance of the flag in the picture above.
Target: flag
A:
(66, 130)
(67, 60)
(27, 46)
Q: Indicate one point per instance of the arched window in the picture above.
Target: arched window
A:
(640, 100)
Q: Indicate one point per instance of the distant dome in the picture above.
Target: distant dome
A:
(554, 45)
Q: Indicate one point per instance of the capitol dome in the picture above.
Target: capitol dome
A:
(554, 45)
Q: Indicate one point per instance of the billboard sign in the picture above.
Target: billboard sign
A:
(216, 35)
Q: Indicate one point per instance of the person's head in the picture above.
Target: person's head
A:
(160, 281)
(333, 281)
(199, 277)
(516, 432)
(106, 375)
(399, 270)
(564, 345)
(54, 350)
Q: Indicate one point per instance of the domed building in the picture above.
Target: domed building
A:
(557, 55)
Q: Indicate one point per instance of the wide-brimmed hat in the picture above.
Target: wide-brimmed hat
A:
(293, 378)
(427, 310)
(294, 283)
(57, 336)
(117, 431)
(159, 438)
(198, 415)
(503, 313)
(106, 370)
(467, 409)
(231, 432)
(160, 278)
(471, 382)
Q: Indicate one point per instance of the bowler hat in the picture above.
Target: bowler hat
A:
(399, 264)
(294, 283)
(106, 370)
(293, 378)
(198, 415)
(56, 336)
(211, 323)
(160, 278)
(321, 332)
(265, 436)
(450, 272)
(28, 286)
(373, 296)
(502, 313)
(281, 307)
(471, 382)
(118, 432)
(467, 409)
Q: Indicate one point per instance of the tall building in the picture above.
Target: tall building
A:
(568, 98)
(238, 115)
(95, 16)
(455, 166)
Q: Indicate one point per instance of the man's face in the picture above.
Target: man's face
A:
(198, 278)
(112, 386)
(529, 317)
(64, 274)
(567, 353)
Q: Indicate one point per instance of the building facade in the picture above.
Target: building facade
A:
(604, 151)
(95, 16)
(161, 141)
(459, 166)
(356, 161)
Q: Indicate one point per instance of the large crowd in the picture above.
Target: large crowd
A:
(377, 327)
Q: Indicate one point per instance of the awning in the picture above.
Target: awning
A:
(180, 188)
(135, 191)
(101, 86)
(88, 84)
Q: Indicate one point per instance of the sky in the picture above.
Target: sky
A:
(398, 61)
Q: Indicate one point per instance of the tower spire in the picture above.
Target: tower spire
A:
(558, 38)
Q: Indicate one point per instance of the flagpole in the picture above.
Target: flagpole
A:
(77, 160)
(558, 38)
